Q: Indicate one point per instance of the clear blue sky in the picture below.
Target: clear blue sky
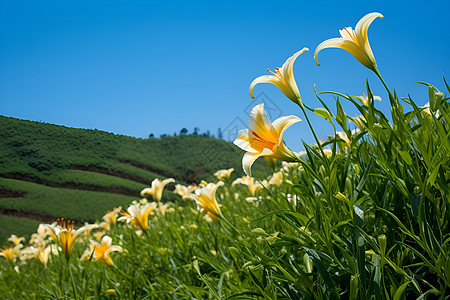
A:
(141, 67)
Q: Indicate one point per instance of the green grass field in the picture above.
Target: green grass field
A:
(79, 173)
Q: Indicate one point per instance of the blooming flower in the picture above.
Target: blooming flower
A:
(249, 182)
(355, 42)
(263, 138)
(111, 216)
(283, 78)
(223, 173)
(101, 251)
(10, 252)
(16, 240)
(157, 188)
(138, 215)
(206, 200)
(365, 100)
(65, 235)
(276, 179)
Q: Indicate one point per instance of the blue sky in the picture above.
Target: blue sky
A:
(141, 67)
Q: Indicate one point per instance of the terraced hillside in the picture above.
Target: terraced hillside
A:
(49, 171)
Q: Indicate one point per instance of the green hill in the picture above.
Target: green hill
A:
(49, 171)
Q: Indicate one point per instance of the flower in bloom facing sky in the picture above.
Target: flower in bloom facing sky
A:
(157, 188)
(101, 251)
(206, 200)
(355, 42)
(138, 215)
(263, 138)
(65, 235)
(283, 78)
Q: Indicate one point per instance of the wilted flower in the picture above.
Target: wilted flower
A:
(283, 78)
(101, 251)
(157, 188)
(138, 215)
(355, 42)
(263, 138)
(220, 174)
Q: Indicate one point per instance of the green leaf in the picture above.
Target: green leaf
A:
(405, 156)
(322, 112)
(400, 290)
(323, 271)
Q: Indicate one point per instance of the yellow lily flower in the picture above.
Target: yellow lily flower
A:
(138, 215)
(283, 78)
(206, 200)
(223, 173)
(250, 183)
(10, 253)
(276, 179)
(16, 240)
(355, 42)
(157, 188)
(101, 251)
(65, 235)
(263, 138)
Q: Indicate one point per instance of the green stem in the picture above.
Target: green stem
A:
(391, 97)
(73, 282)
(319, 144)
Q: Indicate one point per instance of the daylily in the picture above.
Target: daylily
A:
(65, 235)
(206, 200)
(183, 191)
(157, 188)
(10, 253)
(41, 253)
(276, 179)
(101, 251)
(111, 216)
(263, 138)
(16, 240)
(346, 138)
(39, 237)
(138, 215)
(249, 182)
(283, 78)
(223, 173)
(365, 100)
(355, 42)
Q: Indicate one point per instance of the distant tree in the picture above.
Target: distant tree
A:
(208, 133)
(151, 135)
(183, 131)
(196, 130)
(219, 134)
(163, 135)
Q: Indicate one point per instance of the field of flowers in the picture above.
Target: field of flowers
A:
(363, 214)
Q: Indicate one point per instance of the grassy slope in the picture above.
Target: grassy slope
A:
(48, 171)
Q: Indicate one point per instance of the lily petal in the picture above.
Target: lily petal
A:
(247, 162)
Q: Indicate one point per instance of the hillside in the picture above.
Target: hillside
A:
(49, 171)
